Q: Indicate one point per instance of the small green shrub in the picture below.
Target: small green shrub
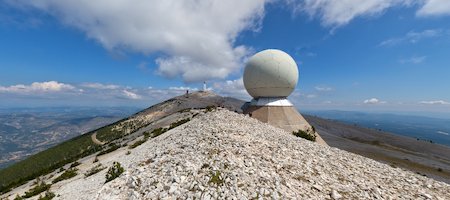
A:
(48, 195)
(137, 143)
(69, 173)
(112, 148)
(216, 178)
(74, 164)
(39, 188)
(94, 170)
(157, 132)
(305, 135)
(175, 124)
(114, 171)
(210, 108)
(18, 198)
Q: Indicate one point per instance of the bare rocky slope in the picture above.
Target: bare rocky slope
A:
(224, 155)
(421, 157)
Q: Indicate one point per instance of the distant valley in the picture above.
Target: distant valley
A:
(434, 130)
(26, 131)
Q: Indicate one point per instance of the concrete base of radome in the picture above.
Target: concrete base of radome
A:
(284, 117)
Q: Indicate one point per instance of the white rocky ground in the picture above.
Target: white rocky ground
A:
(248, 160)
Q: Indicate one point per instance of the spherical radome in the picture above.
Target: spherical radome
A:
(270, 73)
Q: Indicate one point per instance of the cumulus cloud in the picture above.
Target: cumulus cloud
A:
(195, 38)
(373, 101)
(414, 37)
(434, 8)
(232, 88)
(438, 102)
(38, 87)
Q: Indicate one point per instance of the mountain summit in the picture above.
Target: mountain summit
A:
(222, 154)
(189, 147)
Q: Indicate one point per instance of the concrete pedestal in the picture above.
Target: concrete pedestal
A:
(285, 117)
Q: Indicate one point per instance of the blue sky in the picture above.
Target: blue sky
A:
(374, 55)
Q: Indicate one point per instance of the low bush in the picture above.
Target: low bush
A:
(175, 124)
(48, 195)
(137, 143)
(156, 132)
(111, 148)
(94, 170)
(216, 178)
(69, 173)
(74, 164)
(305, 135)
(114, 171)
(210, 108)
(39, 188)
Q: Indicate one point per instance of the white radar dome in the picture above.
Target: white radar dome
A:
(270, 73)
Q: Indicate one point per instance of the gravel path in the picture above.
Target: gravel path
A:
(224, 155)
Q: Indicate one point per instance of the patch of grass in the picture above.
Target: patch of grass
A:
(94, 170)
(39, 188)
(305, 135)
(69, 173)
(216, 178)
(137, 143)
(114, 171)
(48, 195)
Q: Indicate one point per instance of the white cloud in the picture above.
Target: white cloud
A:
(38, 87)
(131, 95)
(373, 101)
(434, 8)
(438, 102)
(196, 38)
(413, 60)
(339, 13)
(323, 88)
(232, 88)
(414, 37)
(100, 86)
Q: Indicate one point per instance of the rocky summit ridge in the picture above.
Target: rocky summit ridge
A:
(226, 155)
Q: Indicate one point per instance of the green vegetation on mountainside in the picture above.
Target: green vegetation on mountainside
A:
(46, 161)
